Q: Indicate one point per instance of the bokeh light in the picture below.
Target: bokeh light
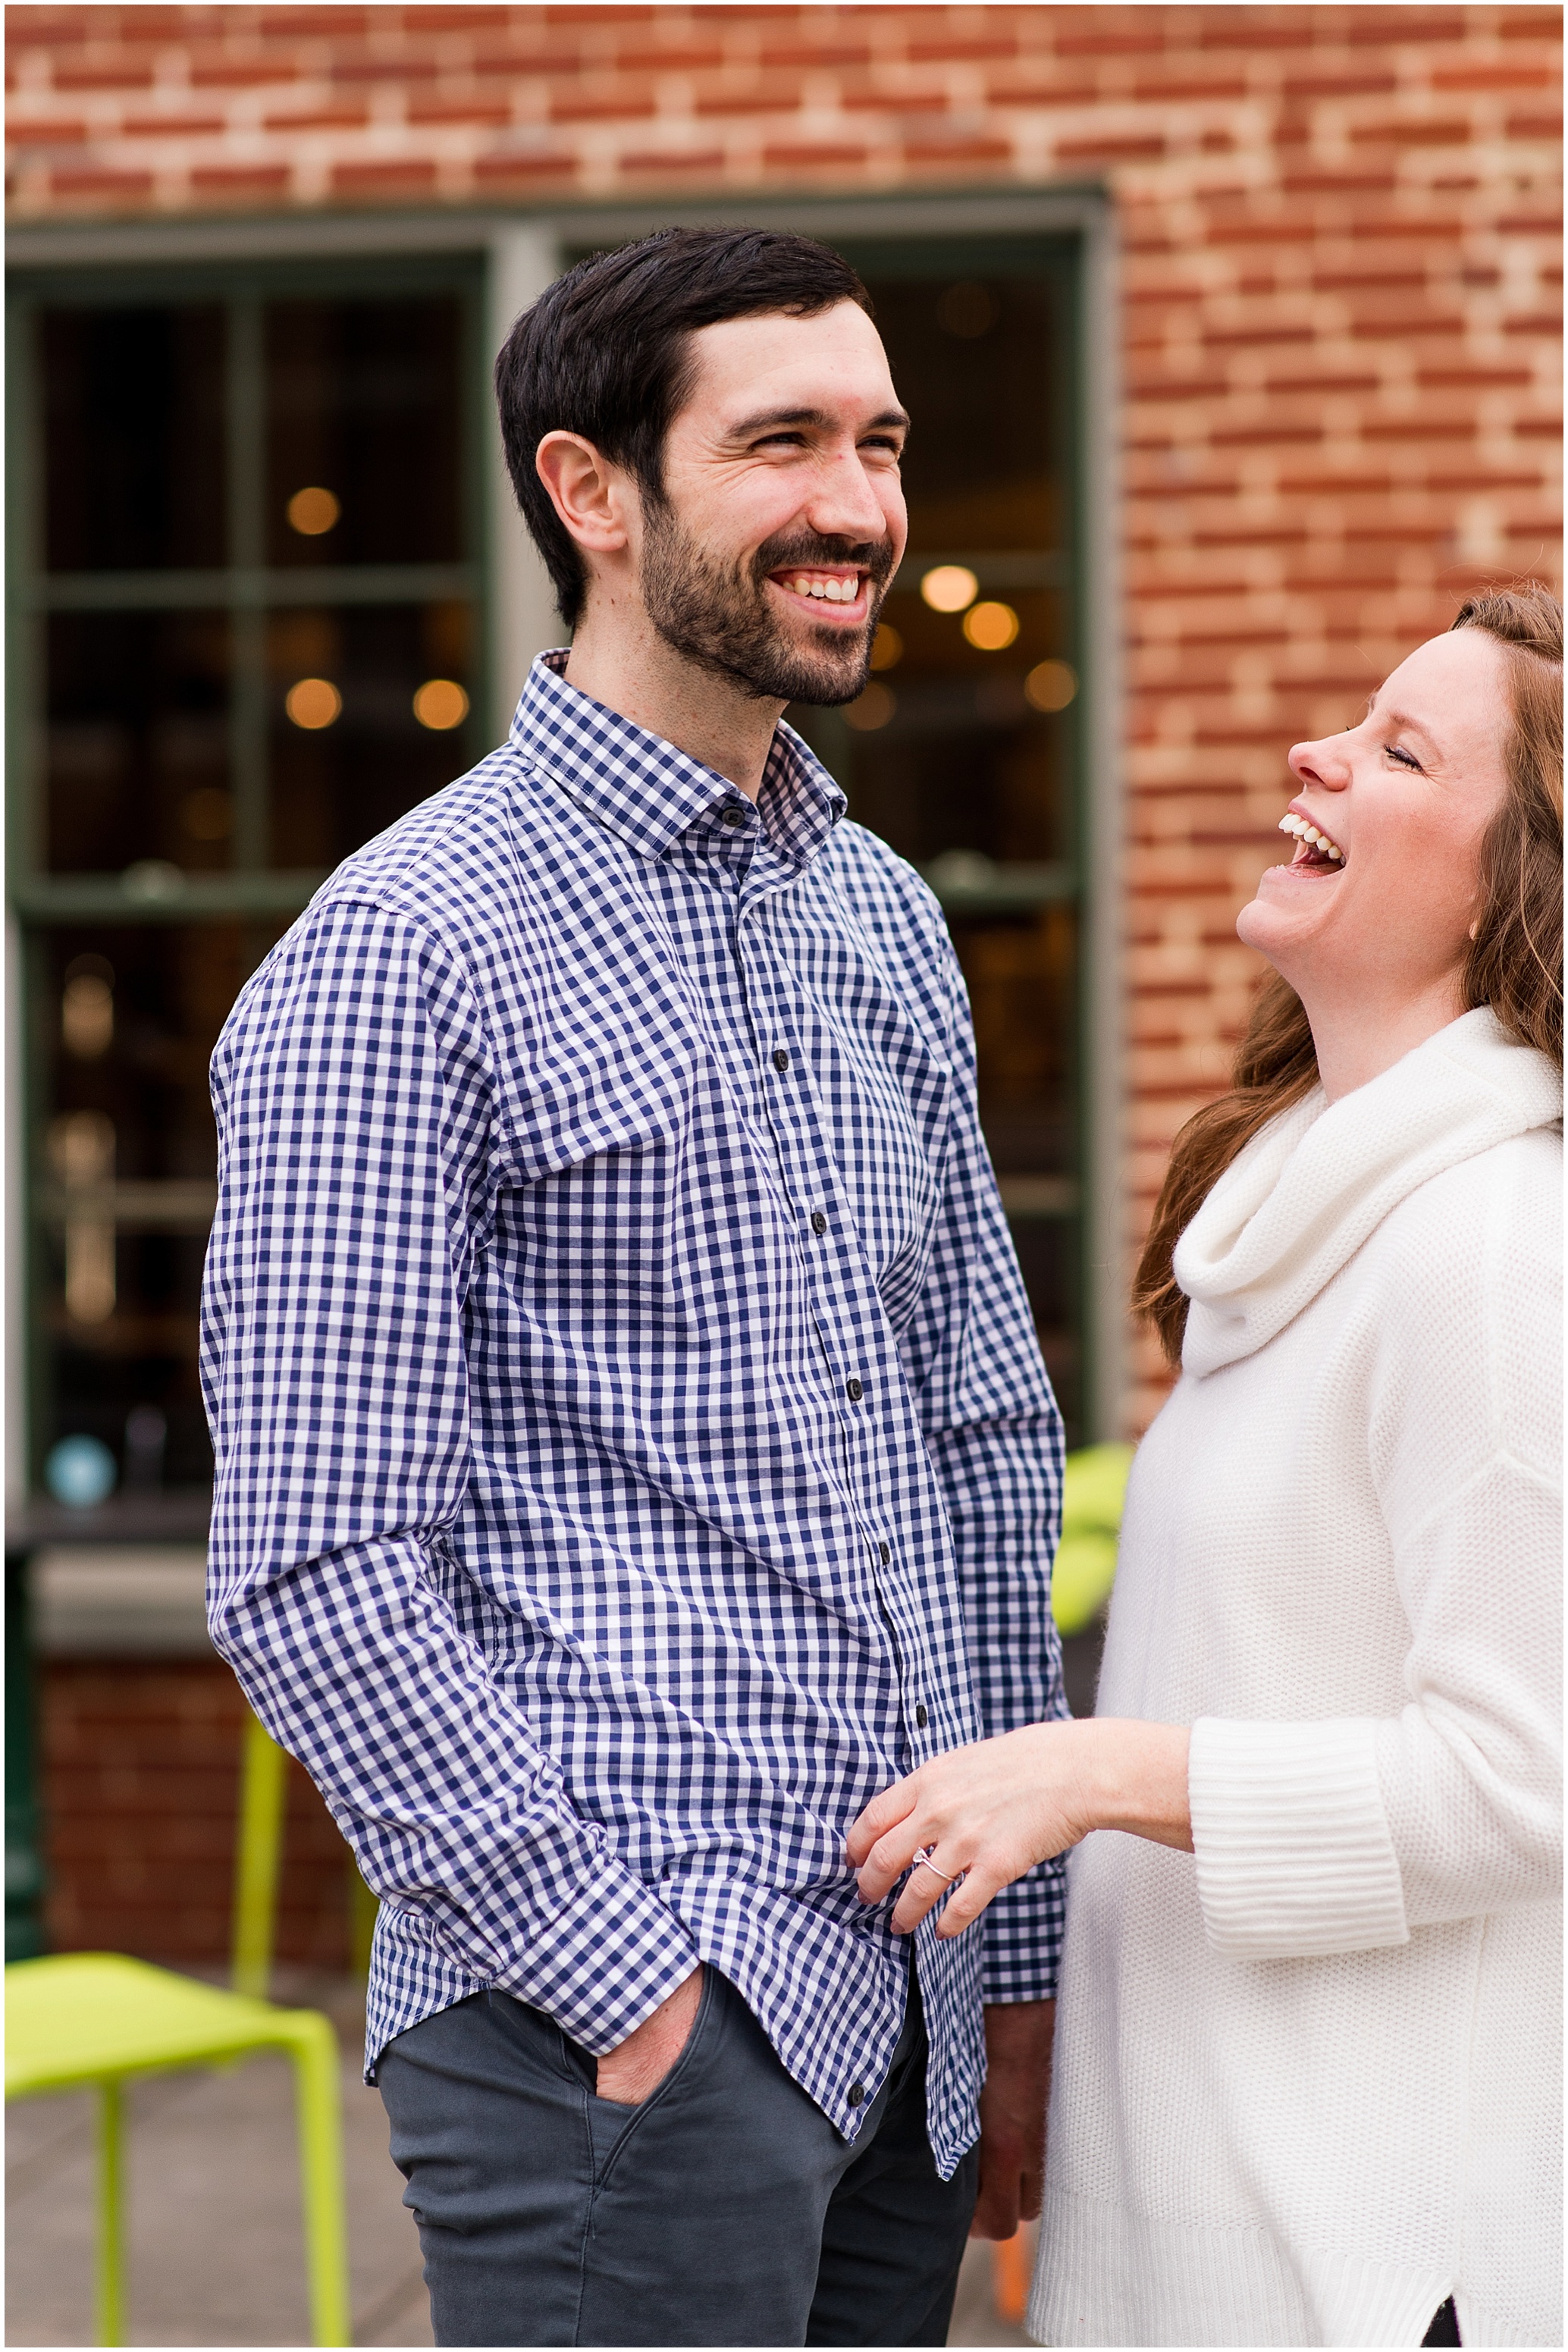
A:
(439, 704)
(991, 626)
(312, 511)
(1051, 684)
(313, 702)
(871, 710)
(949, 587)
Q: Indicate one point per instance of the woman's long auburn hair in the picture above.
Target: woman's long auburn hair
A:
(1514, 964)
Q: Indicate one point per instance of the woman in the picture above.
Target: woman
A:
(1306, 2086)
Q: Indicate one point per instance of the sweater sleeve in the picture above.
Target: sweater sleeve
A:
(1344, 1835)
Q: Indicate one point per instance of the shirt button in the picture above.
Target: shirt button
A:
(883, 1554)
(856, 2092)
(781, 1059)
(854, 1392)
(818, 1222)
(921, 1717)
(731, 816)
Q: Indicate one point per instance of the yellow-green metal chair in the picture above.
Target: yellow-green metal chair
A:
(258, 1859)
(1092, 1496)
(99, 2019)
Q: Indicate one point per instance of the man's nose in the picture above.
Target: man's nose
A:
(844, 503)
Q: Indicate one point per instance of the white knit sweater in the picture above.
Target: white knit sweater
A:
(1307, 2078)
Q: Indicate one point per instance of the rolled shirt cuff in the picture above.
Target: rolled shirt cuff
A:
(1292, 1843)
(604, 1963)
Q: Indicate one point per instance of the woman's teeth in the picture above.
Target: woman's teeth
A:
(835, 592)
(1314, 839)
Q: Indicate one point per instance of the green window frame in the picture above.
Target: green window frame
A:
(497, 263)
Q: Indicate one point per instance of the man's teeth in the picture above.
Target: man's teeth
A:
(1309, 833)
(836, 592)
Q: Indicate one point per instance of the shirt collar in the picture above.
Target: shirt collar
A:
(648, 792)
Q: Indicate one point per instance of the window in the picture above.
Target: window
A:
(246, 591)
(247, 588)
(965, 751)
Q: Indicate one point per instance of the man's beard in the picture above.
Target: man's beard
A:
(720, 617)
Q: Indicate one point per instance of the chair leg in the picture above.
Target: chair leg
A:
(317, 2109)
(258, 1852)
(109, 2282)
(364, 1907)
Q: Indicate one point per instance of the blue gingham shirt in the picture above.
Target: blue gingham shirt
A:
(633, 1446)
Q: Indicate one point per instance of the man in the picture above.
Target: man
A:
(633, 1446)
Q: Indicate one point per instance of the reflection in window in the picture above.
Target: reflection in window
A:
(133, 438)
(364, 701)
(962, 750)
(137, 740)
(195, 730)
(82, 1152)
(363, 427)
(128, 1174)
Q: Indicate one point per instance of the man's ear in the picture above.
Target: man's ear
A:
(590, 495)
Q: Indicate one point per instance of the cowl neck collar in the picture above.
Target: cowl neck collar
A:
(1306, 1192)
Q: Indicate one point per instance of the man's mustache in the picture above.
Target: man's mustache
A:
(804, 549)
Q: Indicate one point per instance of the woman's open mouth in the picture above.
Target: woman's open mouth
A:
(1316, 851)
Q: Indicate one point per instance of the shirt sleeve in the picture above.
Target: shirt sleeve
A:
(994, 1436)
(1346, 1835)
(353, 1092)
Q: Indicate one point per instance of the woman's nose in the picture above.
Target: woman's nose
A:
(1320, 764)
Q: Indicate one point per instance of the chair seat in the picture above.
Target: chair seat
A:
(85, 2016)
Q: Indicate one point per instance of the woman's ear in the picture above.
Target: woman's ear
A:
(587, 491)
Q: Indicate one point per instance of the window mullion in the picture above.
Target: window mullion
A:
(247, 464)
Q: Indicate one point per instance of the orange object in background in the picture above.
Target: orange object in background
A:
(1015, 2260)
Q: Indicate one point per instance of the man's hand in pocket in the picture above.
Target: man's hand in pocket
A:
(632, 2072)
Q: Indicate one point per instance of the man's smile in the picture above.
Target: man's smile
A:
(838, 592)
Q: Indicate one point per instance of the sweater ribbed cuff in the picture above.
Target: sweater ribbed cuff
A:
(1294, 1853)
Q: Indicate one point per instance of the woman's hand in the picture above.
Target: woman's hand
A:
(984, 1815)
(993, 1810)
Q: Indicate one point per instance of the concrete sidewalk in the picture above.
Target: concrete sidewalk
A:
(214, 2211)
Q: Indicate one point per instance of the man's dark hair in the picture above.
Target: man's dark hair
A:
(606, 352)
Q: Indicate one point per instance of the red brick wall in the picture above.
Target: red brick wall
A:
(1337, 325)
(141, 1785)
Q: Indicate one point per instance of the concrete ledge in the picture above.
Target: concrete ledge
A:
(130, 1600)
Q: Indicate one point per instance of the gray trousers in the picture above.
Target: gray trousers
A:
(724, 2210)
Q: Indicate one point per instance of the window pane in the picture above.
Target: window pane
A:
(127, 1019)
(977, 360)
(946, 751)
(364, 438)
(137, 740)
(133, 429)
(368, 711)
(963, 751)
